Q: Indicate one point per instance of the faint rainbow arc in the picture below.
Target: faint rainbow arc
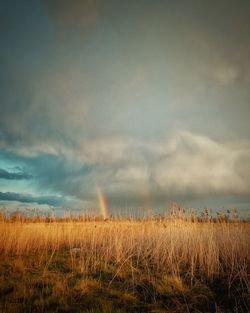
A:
(103, 203)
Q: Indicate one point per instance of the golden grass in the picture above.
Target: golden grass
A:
(173, 254)
(172, 244)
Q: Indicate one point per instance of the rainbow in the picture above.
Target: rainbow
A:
(103, 203)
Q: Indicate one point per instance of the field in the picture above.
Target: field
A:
(173, 264)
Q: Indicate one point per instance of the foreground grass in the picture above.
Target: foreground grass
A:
(168, 265)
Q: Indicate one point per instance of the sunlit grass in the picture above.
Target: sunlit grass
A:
(171, 264)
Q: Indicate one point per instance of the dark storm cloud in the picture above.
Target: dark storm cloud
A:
(56, 83)
(13, 175)
(60, 174)
(27, 198)
(25, 35)
(84, 85)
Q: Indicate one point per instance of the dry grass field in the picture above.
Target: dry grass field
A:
(124, 265)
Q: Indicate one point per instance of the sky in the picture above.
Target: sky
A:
(148, 101)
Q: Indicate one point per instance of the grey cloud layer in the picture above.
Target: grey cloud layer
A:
(96, 93)
(144, 69)
(185, 165)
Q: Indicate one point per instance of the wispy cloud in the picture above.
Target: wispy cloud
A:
(27, 198)
(13, 175)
